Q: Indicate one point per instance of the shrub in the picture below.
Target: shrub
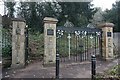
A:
(7, 51)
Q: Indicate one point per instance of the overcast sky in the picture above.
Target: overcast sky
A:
(97, 3)
(103, 3)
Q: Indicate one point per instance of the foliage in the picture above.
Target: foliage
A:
(78, 13)
(113, 16)
(110, 74)
(7, 51)
(10, 7)
(114, 71)
(36, 46)
(6, 43)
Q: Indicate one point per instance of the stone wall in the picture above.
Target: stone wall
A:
(116, 40)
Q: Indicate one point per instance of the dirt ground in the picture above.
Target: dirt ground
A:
(67, 70)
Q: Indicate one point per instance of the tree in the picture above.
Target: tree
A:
(78, 13)
(28, 10)
(10, 8)
(113, 16)
(98, 17)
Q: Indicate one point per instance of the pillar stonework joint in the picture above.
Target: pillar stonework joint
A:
(50, 40)
(107, 40)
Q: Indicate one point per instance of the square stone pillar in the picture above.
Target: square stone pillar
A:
(1, 38)
(18, 43)
(107, 40)
(49, 40)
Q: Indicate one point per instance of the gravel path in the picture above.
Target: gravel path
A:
(72, 70)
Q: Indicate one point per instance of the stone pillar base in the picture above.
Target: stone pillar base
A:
(17, 66)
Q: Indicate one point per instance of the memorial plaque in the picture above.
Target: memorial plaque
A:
(108, 34)
(50, 32)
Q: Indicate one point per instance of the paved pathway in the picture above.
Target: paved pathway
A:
(73, 70)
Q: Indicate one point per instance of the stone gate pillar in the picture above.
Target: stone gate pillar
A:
(0, 36)
(18, 43)
(107, 40)
(49, 40)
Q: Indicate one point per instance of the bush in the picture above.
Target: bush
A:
(36, 45)
(112, 73)
(7, 51)
(114, 70)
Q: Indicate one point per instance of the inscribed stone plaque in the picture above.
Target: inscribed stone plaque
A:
(108, 34)
(50, 32)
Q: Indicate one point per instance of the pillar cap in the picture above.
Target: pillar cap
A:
(106, 25)
(50, 20)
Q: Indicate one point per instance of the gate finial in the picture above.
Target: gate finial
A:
(68, 23)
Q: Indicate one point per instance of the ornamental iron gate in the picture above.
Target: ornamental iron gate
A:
(77, 44)
(6, 42)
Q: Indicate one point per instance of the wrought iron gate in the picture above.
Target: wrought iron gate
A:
(77, 44)
(6, 42)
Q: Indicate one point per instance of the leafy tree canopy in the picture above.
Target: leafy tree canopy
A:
(113, 16)
(78, 13)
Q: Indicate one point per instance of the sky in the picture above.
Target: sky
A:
(104, 4)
